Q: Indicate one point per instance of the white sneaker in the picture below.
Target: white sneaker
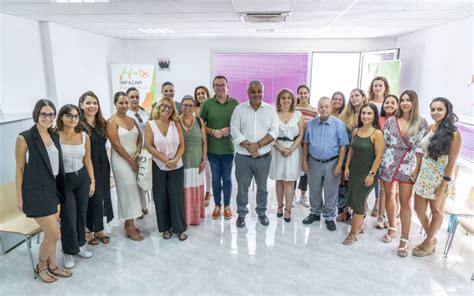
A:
(84, 253)
(68, 261)
(304, 201)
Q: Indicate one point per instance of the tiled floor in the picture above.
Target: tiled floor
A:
(281, 259)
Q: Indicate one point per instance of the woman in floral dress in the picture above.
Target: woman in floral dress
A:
(401, 162)
(435, 182)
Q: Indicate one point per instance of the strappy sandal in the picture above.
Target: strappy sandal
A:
(280, 214)
(403, 251)
(387, 238)
(380, 224)
(105, 239)
(361, 228)
(60, 272)
(183, 236)
(167, 234)
(374, 212)
(45, 275)
(91, 239)
(350, 239)
(287, 220)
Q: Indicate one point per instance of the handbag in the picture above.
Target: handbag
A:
(144, 178)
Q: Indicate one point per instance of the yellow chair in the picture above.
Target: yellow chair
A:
(12, 220)
(457, 210)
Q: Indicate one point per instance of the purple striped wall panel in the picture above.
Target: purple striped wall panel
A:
(274, 70)
(467, 146)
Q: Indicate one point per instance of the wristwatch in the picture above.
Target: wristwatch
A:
(372, 173)
(447, 179)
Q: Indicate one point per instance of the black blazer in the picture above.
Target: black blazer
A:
(38, 174)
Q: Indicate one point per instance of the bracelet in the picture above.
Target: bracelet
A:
(372, 173)
(259, 146)
(447, 179)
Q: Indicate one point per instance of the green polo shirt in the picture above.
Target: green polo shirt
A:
(217, 116)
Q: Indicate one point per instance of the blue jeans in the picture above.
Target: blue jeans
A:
(221, 168)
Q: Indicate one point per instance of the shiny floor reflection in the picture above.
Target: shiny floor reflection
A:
(283, 258)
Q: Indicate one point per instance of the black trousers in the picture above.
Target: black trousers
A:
(74, 211)
(168, 194)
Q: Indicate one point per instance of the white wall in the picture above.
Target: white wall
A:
(81, 62)
(191, 60)
(23, 79)
(439, 62)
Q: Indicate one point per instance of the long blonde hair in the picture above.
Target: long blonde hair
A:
(347, 115)
(155, 112)
(415, 119)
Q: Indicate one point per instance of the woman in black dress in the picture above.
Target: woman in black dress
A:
(40, 184)
(100, 204)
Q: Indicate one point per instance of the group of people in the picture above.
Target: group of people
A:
(341, 150)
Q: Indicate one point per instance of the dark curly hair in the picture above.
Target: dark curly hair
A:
(440, 142)
(374, 108)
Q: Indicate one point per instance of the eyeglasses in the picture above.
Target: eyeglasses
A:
(139, 118)
(166, 108)
(71, 116)
(46, 115)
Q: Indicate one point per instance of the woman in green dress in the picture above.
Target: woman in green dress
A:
(194, 160)
(363, 161)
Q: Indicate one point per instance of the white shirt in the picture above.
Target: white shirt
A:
(248, 124)
(73, 155)
(144, 115)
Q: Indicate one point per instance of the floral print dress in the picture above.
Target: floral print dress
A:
(431, 173)
(399, 157)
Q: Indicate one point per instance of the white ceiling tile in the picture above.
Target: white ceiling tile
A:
(193, 18)
(150, 7)
(262, 6)
(61, 8)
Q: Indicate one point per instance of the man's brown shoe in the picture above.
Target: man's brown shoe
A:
(216, 214)
(227, 213)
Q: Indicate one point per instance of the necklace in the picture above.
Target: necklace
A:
(188, 126)
(68, 138)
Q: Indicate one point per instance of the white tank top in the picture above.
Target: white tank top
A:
(73, 155)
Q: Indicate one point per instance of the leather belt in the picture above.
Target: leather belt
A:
(325, 160)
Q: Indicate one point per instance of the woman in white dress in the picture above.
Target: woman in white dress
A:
(126, 141)
(286, 152)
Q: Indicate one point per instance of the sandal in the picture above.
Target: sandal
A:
(350, 239)
(45, 275)
(380, 224)
(280, 214)
(105, 239)
(207, 199)
(361, 227)
(167, 234)
(60, 272)
(387, 238)
(374, 212)
(288, 220)
(91, 240)
(403, 251)
(183, 236)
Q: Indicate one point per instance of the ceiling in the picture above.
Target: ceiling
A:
(191, 19)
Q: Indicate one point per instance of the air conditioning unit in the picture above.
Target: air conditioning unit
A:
(265, 17)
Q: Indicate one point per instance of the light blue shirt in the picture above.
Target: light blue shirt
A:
(325, 138)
